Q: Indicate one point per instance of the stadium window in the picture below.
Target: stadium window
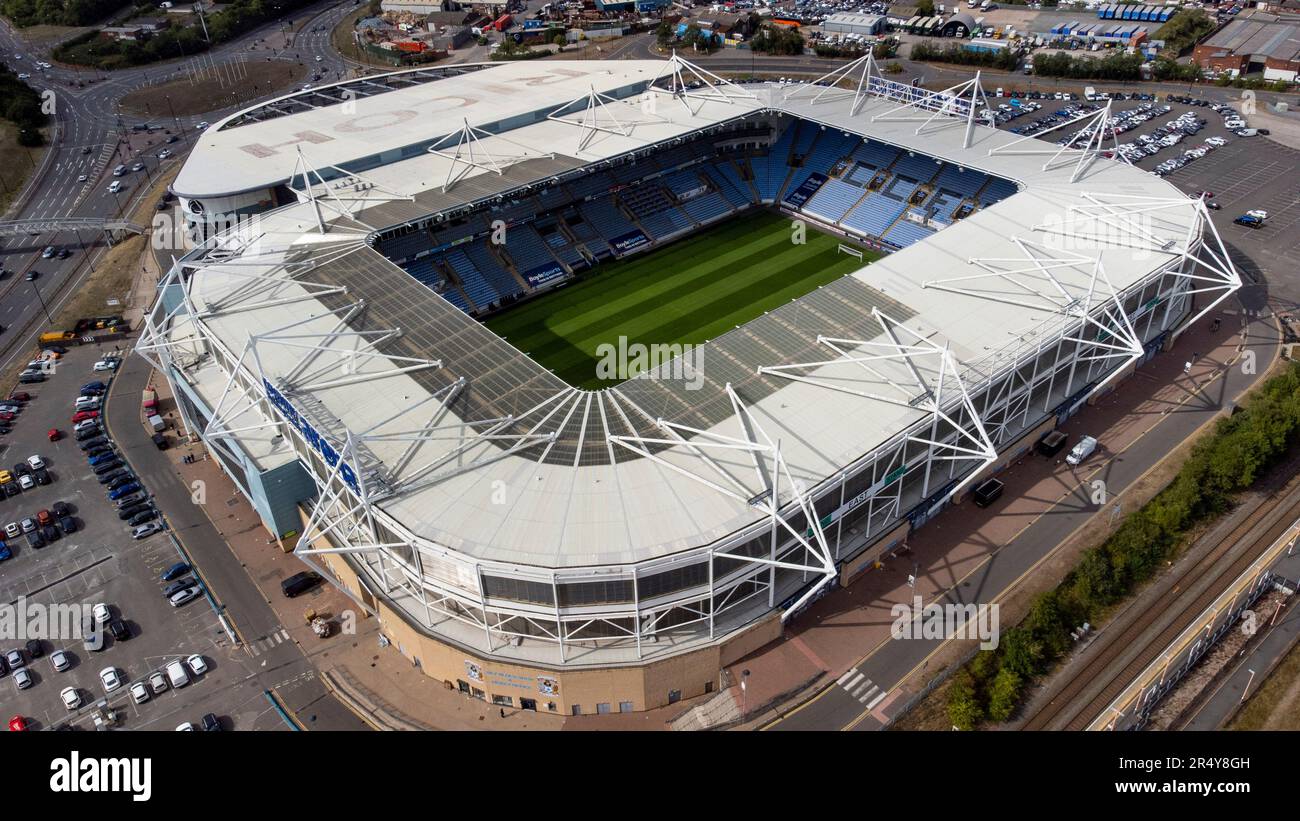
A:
(674, 696)
(625, 706)
(576, 709)
(602, 709)
(500, 587)
(503, 701)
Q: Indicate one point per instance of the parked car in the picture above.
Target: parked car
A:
(179, 585)
(123, 491)
(71, 698)
(59, 661)
(175, 571)
(110, 678)
(1082, 450)
(197, 665)
(139, 692)
(183, 596)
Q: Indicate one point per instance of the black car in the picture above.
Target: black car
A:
(97, 450)
(93, 432)
(108, 478)
(96, 442)
(140, 518)
(35, 539)
(35, 649)
(42, 476)
(31, 378)
(11, 488)
(110, 465)
(211, 723)
(68, 524)
(50, 532)
(119, 630)
(22, 469)
(60, 509)
(132, 511)
(177, 586)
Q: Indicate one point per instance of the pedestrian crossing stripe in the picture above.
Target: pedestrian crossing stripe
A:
(269, 642)
(861, 688)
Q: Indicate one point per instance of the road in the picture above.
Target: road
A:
(90, 136)
(283, 667)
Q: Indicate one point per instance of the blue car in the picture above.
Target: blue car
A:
(101, 458)
(124, 490)
(4, 551)
(92, 386)
(175, 571)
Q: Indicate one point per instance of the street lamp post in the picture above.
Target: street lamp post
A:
(744, 694)
(41, 299)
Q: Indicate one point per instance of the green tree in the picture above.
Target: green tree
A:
(964, 709)
(1004, 694)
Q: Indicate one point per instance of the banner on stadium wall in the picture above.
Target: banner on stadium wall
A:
(698, 191)
(544, 274)
(805, 191)
(629, 241)
(310, 434)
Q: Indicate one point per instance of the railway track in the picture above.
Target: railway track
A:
(1211, 573)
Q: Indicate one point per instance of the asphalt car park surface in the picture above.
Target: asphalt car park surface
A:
(101, 562)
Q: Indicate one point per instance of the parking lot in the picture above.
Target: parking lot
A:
(100, 562)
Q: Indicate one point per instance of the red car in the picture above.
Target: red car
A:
(55, 434)
(81, 416)
(17, 724)
(6, 416)
(20, 396)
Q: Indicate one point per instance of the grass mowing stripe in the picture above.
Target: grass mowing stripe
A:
(693, 290)
(640, 318)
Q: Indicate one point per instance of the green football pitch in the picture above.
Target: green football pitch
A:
(689, 292)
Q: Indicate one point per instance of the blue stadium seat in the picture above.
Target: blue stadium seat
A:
(833, 200)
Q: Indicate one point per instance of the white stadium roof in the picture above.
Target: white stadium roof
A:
(640, 509)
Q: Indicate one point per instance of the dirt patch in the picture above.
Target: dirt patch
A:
(46, 37)
(216, 88)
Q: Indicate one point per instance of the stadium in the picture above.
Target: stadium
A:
(391, 337)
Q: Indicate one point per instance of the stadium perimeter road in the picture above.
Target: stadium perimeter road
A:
(281, 668)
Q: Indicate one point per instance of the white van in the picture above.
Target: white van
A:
(1082, 450)
(176, 674)
(114, 187)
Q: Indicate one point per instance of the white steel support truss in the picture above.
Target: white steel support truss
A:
(599, 113)
(1142, 223)
(771, 478)
(863, 69)
(679, 73)
(328, 198)
(467, 151)
(1070, 286)
(1094, 127)
(926, 393)
(938, 109)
